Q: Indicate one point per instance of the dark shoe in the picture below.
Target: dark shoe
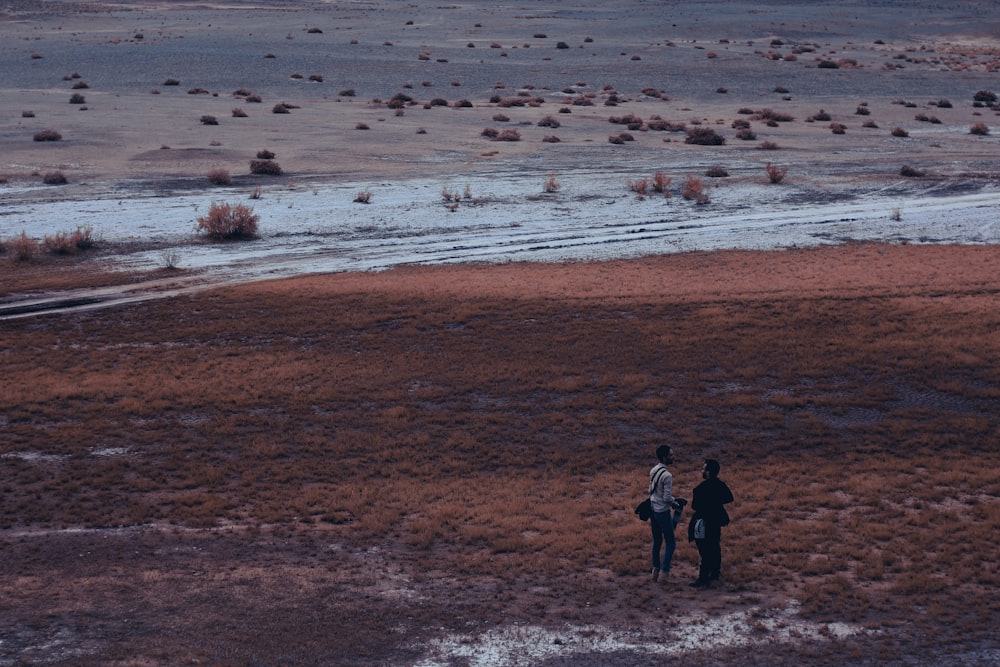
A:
(698, 583)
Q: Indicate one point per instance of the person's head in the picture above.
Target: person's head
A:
(710, 469)
(664, 454)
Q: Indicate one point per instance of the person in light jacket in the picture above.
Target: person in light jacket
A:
(661, 484)
(708, 501)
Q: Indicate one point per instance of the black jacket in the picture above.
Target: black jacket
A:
(708, 501)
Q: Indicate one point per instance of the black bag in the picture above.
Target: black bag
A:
(644, 510)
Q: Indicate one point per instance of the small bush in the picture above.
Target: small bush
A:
(265, 154)
(551, 184)
(910, 172)
(838, 128)
(280, 107)
(54, 178)
(985, 96)
(549, 121)
(490, 133)
(828, 64)
(716, 172)
(80, 85)
(58, 244)
(772, 115)
(254, 99)
(363, 197)
(362, 126)
(219, 177)
(77, 98)
(660, 183)
(746, 134)
(615, 139)
(639, 187)
(704, 136)
(171, 82)
(239, 113)
(347, 92)
(209, 120)
(550, 139)
(862, 110)
(47, 135)
(317, 78)
(27, 114)
(463, 104)
(508, 135)
(694, 190)
(83, 237)
(265, 168)
(899, 132)
(23, 247)
(225, 221)
(821, 116)
(768, 146)
(870, 124)
(944, 104)
(775, 174)
(500, 118)
(979, 129)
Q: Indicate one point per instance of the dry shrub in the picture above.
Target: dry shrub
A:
(77, 98)
(509, 134)
(549, 121)
(775, 174)
(209, 120)
(254, 99)
(771, 115)
(58, 243)
(716, 172)
(660, 183)
(746, 134)
(490, 133)
(768, 146)
(363, 197)
(27, 114)
(899, 132)
(347, 92)
(704, 136)
(265, 168)
(83, 237)
(550, 139)
(171, 82)
(694, 190)
(551, 184)
(54, 178)
(979, 129)
(280, 107)
(239, 113)
(23, 247)
(47, 135)
(822, 116)
(229, 221)
(265, 154)
(910, 172)
(639, 186)
(219, 177)
(361, 126)
(838, 128)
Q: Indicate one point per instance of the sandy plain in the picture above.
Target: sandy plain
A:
(186, 481)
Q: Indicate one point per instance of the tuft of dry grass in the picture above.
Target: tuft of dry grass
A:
(229, 221)
(219, 177)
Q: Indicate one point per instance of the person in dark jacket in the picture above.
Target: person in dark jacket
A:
(708, 502)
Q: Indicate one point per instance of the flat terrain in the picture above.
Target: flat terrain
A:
(436, 465)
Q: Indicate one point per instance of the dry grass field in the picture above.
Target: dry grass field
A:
(436, 465)
(342, 470)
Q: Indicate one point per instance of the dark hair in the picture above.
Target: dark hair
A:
(712, 467)
(663, 451)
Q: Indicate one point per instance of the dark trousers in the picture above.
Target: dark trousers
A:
(710, 550)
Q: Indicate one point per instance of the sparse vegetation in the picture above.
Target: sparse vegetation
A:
(899, 132)
(219, 177)
(694, 190)
(704, 136)
(775, 174)
(23, 248)
(209, 120)
(229, 221)
(551, 184)
(910, 172)
(54, 178)
(979, 129)
(47, 135)
(363, 197)
(265, 168)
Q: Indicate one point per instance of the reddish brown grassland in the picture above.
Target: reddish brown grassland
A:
(337, 469)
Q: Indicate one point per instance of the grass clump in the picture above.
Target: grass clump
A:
(229, 221)
(47, 135)
(265, 168)
(704, 136)
(219, 177)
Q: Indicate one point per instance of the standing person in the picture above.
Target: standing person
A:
(661, 484)
(708, 501)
